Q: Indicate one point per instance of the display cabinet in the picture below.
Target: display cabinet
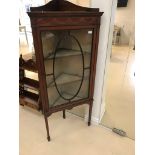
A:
(65, 39)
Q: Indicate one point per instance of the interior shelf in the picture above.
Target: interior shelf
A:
(65, 53)
(60, 100)
(30, 83)
(65, 78)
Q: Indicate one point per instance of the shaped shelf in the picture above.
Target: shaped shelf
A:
(26, 62)
(30, 99)
(29, 65)
(60, 100)
(65, 53)
(29, 83)
(65, 78)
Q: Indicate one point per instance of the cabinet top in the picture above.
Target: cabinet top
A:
(62, 8)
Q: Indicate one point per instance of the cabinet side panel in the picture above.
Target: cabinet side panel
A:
(39, 62)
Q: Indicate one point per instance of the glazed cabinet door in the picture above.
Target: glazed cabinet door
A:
(67, 63)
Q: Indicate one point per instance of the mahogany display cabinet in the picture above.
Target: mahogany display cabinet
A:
(65, 40)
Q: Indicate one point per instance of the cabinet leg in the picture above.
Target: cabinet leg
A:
(90, 111)
(47, 129)
(64, 114)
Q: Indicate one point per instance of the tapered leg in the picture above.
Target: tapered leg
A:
(90, 111)
(47, 129)
(64, 114)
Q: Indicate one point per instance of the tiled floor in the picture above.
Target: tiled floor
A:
(70, 136)
(120, 101)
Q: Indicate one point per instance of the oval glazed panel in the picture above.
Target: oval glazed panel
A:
(68, 67)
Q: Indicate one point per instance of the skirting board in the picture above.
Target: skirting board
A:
(102, 111)
(94, 120)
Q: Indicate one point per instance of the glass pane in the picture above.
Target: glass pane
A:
(67, 56)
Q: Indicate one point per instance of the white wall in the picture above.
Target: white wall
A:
(85, 3)
(125, 19)
(104, 49)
